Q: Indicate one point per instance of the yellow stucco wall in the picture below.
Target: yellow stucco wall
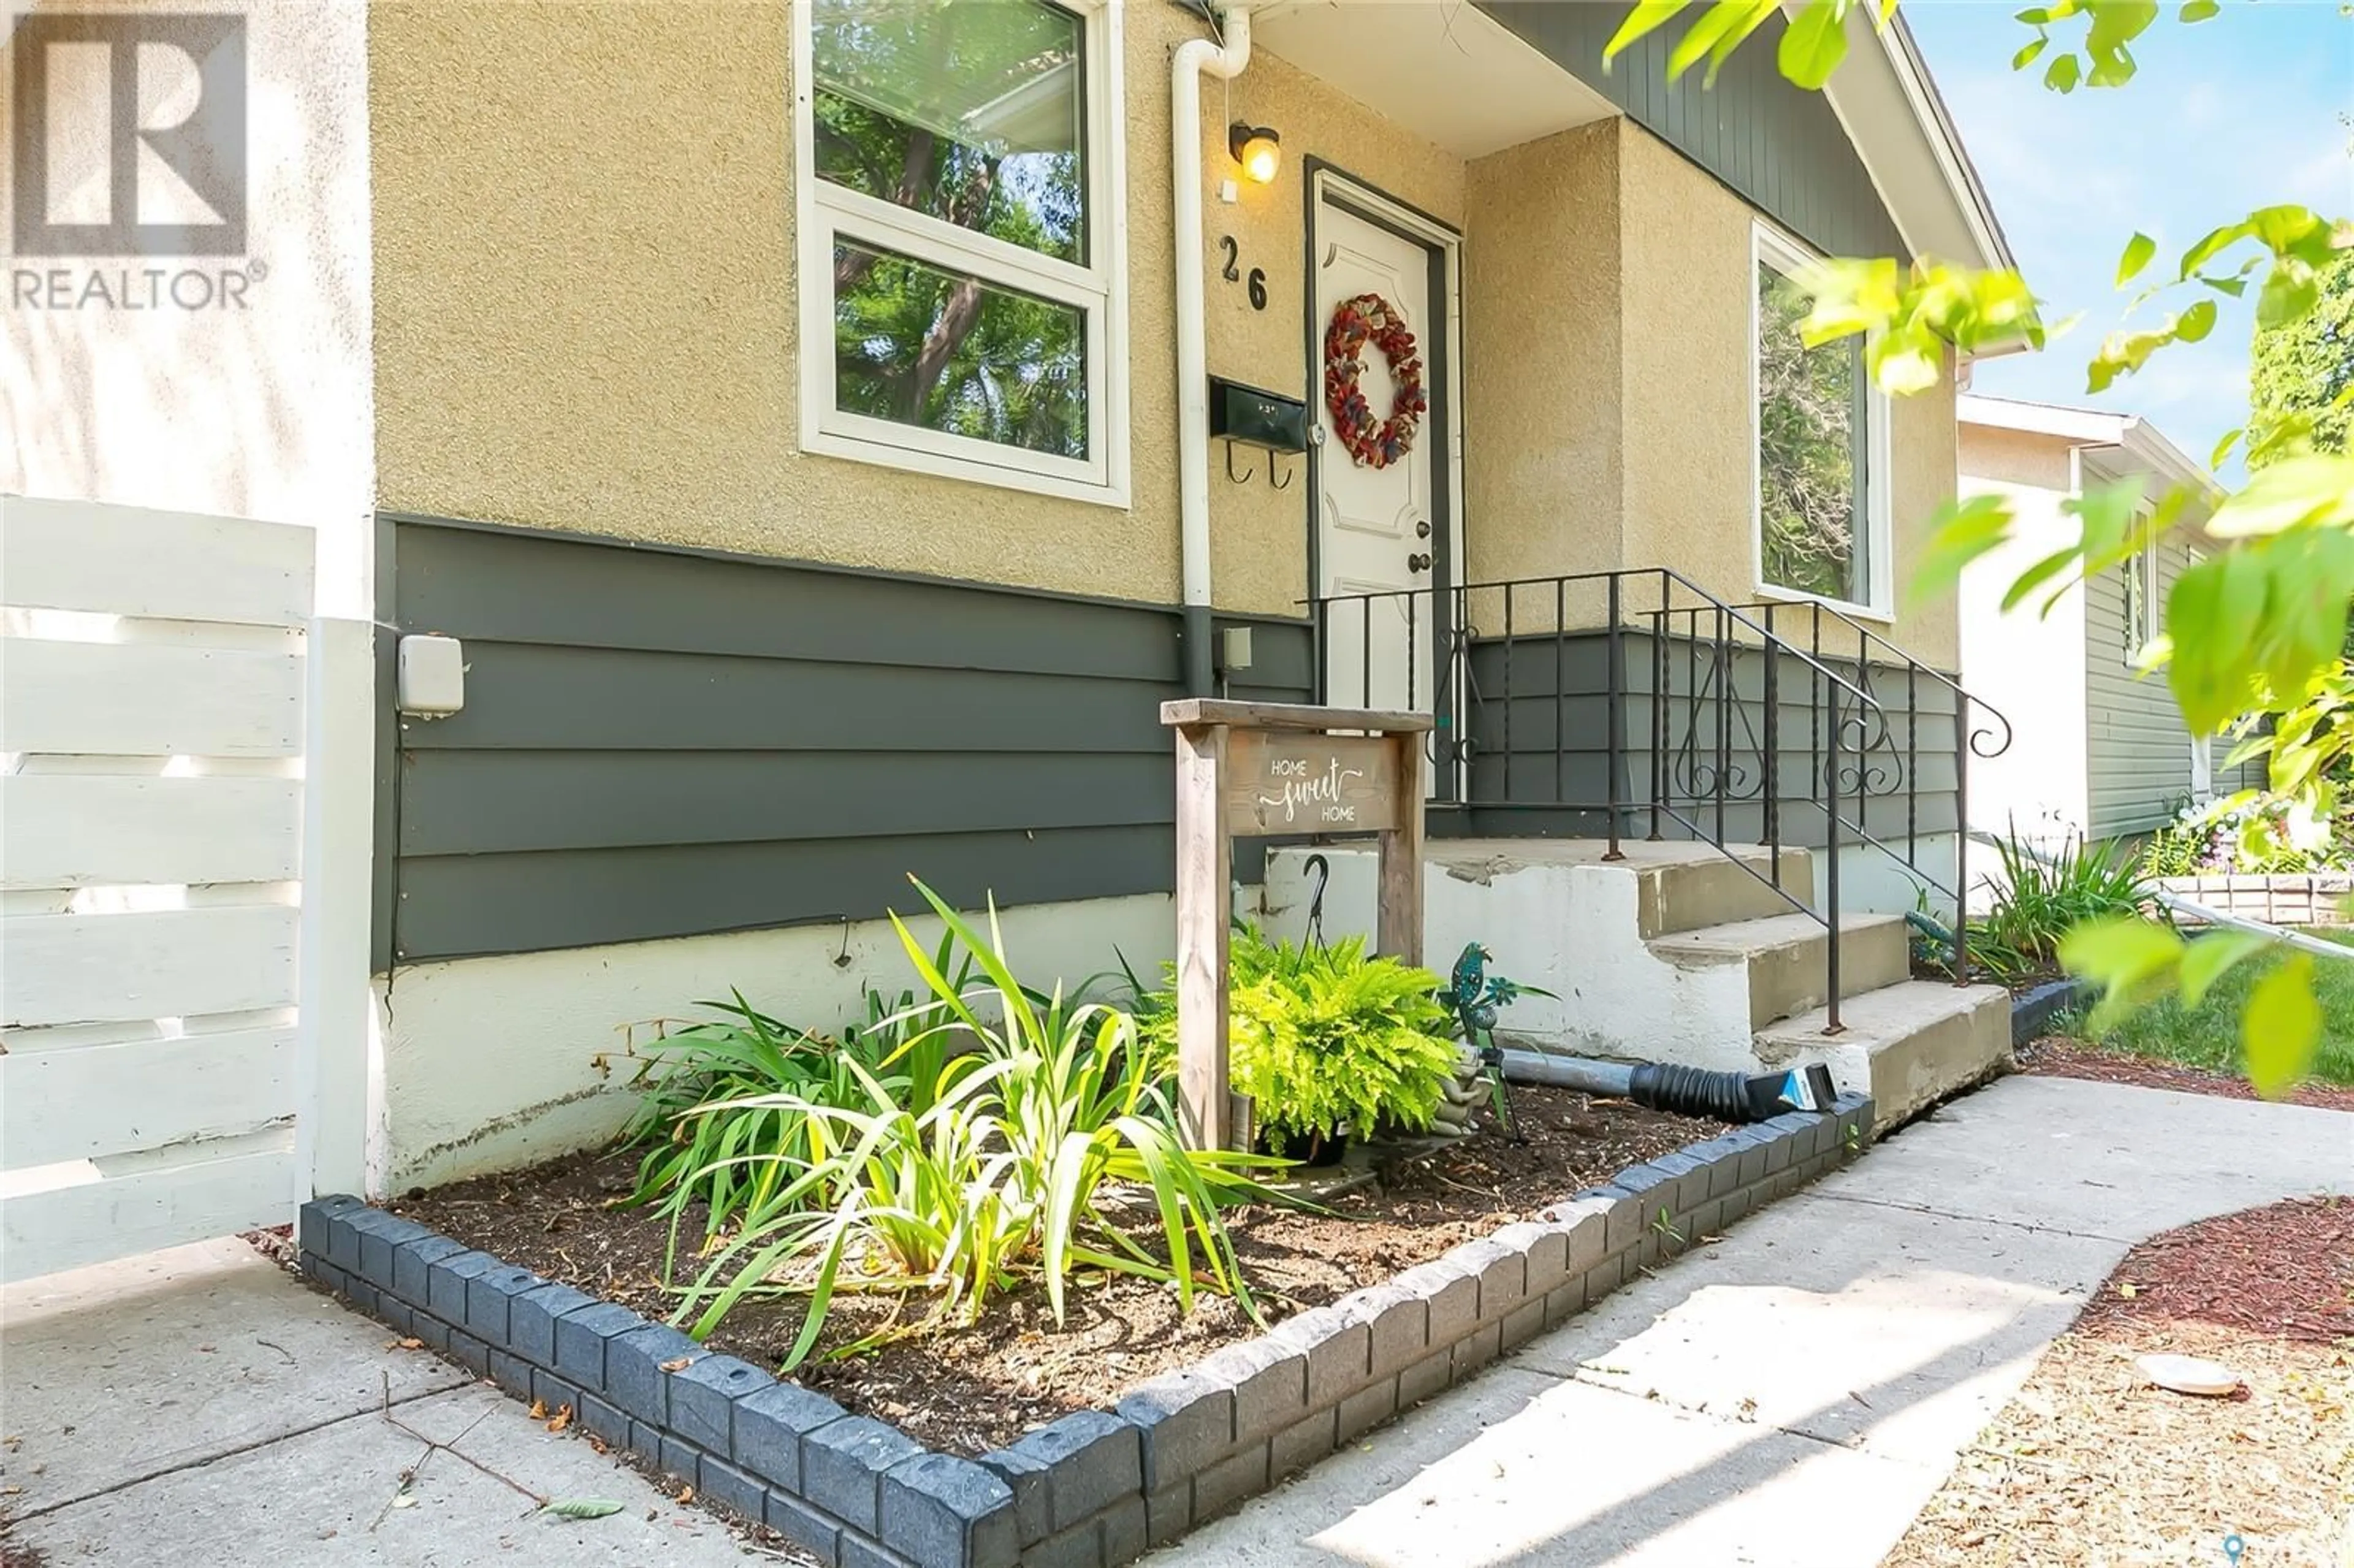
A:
(1610, 423)
(587, 320)
(1544, 419)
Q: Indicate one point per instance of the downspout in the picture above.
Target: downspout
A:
(1224, 60)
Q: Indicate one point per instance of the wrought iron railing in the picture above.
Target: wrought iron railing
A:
(1981, 731)
(1636, 702)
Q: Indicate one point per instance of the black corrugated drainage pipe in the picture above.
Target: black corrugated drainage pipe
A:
(1683, 1091)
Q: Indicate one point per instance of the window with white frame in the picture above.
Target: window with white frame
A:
(1822, 449)
(962, 288)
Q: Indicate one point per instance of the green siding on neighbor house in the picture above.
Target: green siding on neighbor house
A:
(2136, 748)
(663, 743)
(1778, 145)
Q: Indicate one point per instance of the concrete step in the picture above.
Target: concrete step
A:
(1788, 958)
(1906, 1045)
(1699, 887)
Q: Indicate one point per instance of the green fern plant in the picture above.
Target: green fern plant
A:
(1326, 1038)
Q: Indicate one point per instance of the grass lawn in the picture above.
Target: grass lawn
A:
(2208, 1035)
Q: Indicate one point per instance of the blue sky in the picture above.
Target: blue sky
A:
(2239, 111)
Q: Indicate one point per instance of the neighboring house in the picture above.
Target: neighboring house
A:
(804, 425)
(2104, 752)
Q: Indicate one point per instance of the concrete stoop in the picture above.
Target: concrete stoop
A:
(1676, 952)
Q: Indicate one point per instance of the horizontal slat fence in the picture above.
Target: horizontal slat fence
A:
(151, 741)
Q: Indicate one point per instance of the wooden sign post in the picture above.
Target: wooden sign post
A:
(1272, 770)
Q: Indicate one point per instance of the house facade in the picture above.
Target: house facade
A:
(2112, 757)
(830, 429)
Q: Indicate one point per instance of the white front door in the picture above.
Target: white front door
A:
(1377, 528)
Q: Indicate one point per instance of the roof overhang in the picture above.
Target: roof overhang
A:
(1450, 73)
(1884, 96)
(2110, 446)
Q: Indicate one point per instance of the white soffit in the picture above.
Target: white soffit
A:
(1885, 100)
(1444, 70)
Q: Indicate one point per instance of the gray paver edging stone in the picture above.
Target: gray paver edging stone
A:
(2034, 1010)
(1095, 1488)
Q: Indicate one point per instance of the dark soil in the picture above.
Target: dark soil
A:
(2058, 1057)
(2092, 1464)
(970, 1390)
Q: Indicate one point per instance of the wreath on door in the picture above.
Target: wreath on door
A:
(1369, 318)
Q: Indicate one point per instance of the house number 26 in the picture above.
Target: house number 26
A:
(1256, 285)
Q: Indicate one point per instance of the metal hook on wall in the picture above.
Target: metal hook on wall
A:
(1283, 483)
(1243, 478)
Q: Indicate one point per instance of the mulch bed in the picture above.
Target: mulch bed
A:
(971, 1390)
(2057, 1057)
(2092, 1464)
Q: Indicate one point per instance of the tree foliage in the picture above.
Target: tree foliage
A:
(2304, 370)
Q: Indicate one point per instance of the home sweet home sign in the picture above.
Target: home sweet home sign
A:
(1277, 769)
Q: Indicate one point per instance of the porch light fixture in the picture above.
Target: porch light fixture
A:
(1257, 149)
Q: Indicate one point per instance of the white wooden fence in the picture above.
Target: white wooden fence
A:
(183, 913)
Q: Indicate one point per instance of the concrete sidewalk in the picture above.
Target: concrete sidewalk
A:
(201, 1406)
(1794, 1394)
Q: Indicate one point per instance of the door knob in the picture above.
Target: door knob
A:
(1421, 529)
(1420, 563)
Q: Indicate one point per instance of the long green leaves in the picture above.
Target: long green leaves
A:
(2038, 900)
(1041, 1147)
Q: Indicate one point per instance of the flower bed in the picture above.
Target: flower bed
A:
(1093, 1488)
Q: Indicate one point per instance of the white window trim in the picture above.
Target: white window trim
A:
(2142, 565)
(824, 212)
(1770, 245)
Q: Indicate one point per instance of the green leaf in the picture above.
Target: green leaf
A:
(2138, 251)
(2041, 572)
(2062, 74)
(2205, 960)
(2130, 959)
(2235, 287)
(2029, 51)
(2195, 322)
(1960, 532)
(582, 1508)
(2291, 291)
(1814, 44)
(2231, 439)
(1648, 17)
(2199, 10)
(2119, 950)
(2281, 1027)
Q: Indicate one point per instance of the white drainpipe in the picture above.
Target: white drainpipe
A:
(1193, 57)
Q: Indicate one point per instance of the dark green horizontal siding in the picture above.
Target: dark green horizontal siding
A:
(519, 902)
(1539, 725)
(1781, 147)
(660, 743)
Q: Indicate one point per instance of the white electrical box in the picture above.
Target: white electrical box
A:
(432, 679)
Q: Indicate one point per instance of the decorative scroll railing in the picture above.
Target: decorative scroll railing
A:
(1635, 703)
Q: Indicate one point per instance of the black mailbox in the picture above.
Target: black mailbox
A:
(1247, 414)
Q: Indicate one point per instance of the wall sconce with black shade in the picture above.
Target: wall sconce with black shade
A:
(1258, 149)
